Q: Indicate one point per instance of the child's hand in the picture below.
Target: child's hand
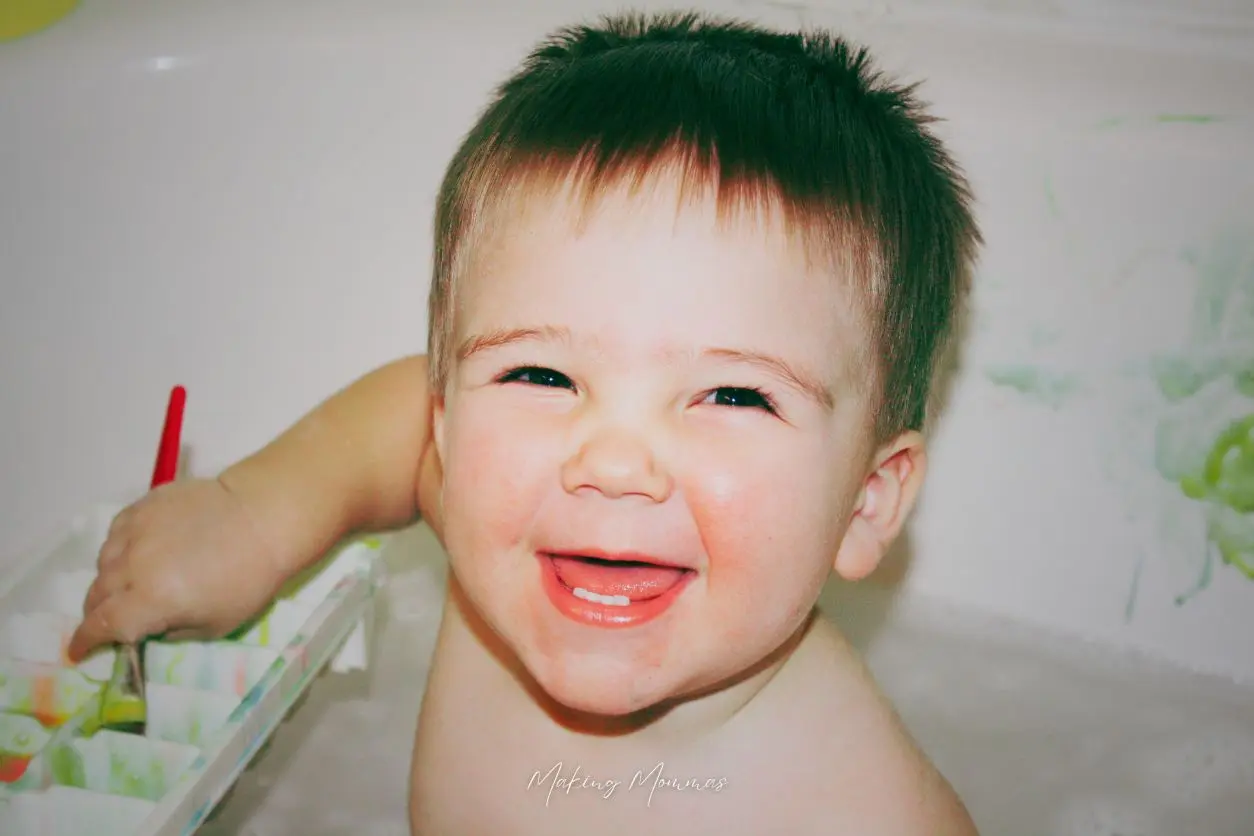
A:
(185, 560)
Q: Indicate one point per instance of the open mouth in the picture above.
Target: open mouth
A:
(611, 592)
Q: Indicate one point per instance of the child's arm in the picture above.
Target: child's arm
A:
(196, 558)
(351, 464)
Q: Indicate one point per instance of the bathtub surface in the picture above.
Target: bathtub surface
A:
(1041, 736)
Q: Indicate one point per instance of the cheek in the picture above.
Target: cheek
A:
(494, 475)
(770, 525)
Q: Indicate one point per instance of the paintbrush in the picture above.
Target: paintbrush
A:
(122, 702)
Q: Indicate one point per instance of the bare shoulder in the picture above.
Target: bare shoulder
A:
(880, 783)
(911, 799)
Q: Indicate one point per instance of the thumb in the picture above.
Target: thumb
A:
(117, 619)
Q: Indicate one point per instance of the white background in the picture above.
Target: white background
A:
(237, 197)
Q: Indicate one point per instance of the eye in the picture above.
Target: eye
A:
(537, 376)
(742, 397)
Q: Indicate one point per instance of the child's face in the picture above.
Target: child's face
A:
(614, 403)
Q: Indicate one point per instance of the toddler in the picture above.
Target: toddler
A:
(691, 279)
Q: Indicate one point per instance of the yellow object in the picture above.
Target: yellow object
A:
(122, 709)
(22, 17)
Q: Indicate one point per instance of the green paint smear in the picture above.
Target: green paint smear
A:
(1162, 119)
(171, 670)
(1228, 474)
(135, 768)
(1209, 449)
(261, 624)
(137, 775)
(1224, 482)
(66, 766)
(1188, 118)
(1041, 385)
(1130, 607)
(196, 730)
(1203, 581)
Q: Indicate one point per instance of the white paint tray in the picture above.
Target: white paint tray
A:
(211, 705)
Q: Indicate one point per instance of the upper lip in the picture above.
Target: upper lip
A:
(623, 556)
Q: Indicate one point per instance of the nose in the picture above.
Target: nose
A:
(616, 465)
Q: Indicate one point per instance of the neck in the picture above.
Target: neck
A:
(471, 659)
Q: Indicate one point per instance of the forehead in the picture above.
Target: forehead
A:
(655, 265)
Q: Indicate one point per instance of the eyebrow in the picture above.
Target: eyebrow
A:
(805, 383)
(495, 339)
(800, 380)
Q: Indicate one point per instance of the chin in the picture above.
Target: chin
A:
(607, 688)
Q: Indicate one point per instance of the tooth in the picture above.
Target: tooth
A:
(597, 598)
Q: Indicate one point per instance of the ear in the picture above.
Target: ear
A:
(884, 502)
(431, 473)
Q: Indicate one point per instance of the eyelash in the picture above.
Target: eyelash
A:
(767, 403)
(515, 376)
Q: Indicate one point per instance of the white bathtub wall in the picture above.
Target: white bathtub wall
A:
(1116, 185)
(236, 196)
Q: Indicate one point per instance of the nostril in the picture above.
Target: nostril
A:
(615, 465)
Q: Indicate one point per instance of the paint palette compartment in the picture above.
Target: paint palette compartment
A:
(211, 705)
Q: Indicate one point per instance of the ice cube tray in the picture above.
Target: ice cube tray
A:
(211, 705)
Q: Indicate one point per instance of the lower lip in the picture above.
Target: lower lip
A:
(605, 615)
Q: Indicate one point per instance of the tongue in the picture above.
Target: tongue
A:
(636, 581)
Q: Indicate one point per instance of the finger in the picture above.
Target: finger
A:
(106, 585)
(91, 633)
(121, 520)
(121, 618)
(186, 634)
(94, 630)
(112, 550)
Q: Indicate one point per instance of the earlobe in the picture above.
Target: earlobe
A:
(860, 552)
(884, 502)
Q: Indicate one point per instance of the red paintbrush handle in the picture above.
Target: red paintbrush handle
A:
(168, 452)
